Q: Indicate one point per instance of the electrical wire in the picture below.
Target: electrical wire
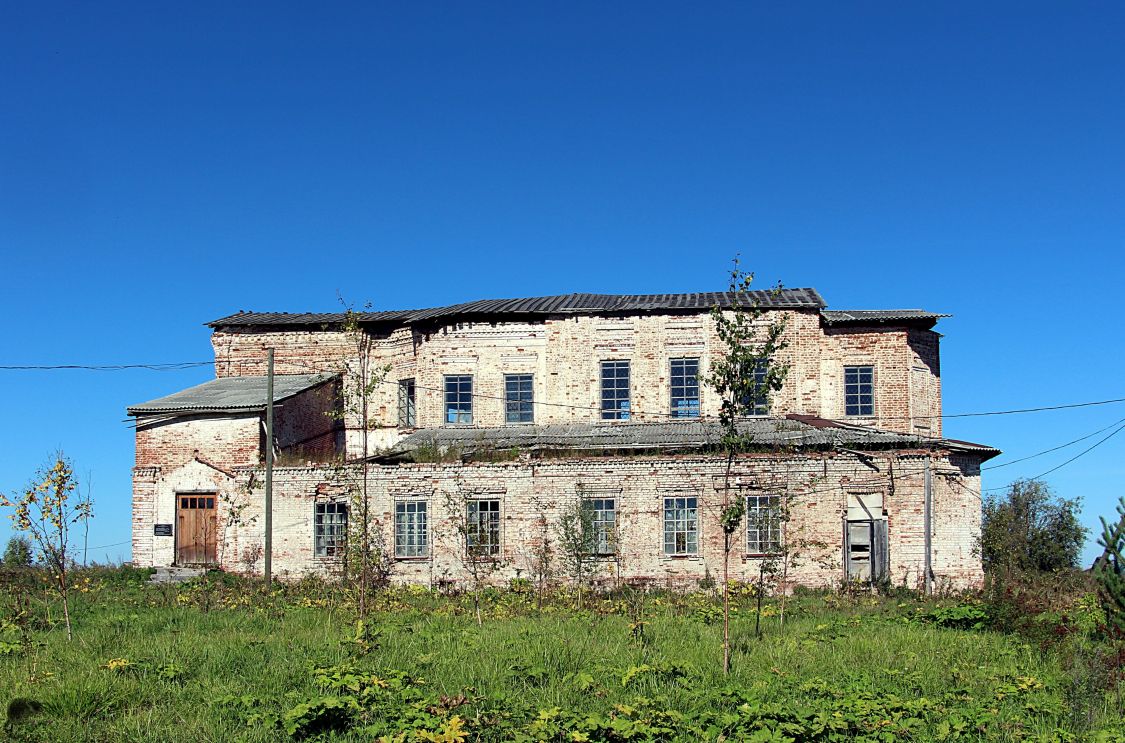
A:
(1053, 449)
(174, 366)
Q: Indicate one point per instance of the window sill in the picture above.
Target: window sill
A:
(760, 555)
(692, 556)
(414, 558)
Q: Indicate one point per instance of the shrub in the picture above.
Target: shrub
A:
(19, 553)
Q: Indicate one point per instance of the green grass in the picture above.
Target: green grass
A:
(215, 662)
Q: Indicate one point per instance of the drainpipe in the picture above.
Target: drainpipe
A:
(927, 519)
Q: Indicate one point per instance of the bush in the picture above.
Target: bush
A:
(1029, 528)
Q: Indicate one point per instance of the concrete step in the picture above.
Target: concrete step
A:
(175, 574)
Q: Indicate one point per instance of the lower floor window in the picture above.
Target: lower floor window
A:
(330, 529)
(410, 529)
(763, 524)
(482, 527)
(681, 526)
(603, 517)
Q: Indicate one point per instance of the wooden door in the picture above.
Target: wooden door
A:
(196, 529)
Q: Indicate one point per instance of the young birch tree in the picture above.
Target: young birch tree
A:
(743, 378)
(45, 510)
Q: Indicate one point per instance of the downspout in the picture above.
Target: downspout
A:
(927, 522)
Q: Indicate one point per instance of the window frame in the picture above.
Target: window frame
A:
(689, 522)
(522, 406)
(330, 538)
(617, 412)
(758, 405)
(420, 550)
(859, 394)
(473, 521)
(673, 410)
(604, 529)
(774, 528)
(407, 403)
(462, 415)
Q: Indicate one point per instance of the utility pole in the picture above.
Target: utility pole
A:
(927, 519)
(269, 468)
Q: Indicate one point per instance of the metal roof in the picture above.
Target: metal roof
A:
(791, 431)
(575, 304)
(229, 395)
(865, 317)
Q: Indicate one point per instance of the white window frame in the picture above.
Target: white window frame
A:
(330, 535)
(416, 544)
(486, 521)
(763, 510)
(681, 525)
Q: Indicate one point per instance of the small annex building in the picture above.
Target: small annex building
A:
(486, 420)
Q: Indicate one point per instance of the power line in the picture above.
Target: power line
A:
(175, 366)
(1053, 449)
(1079, 455)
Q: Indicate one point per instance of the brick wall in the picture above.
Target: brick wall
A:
(817, 485)
(563, 355)
(227, 440)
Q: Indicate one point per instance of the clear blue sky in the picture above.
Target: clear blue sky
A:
(163, 164)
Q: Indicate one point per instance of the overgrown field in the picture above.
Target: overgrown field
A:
(219, 660)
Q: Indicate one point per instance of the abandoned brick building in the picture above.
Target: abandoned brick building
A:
(499, 414)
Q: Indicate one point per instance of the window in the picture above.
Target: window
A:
(459, 399)
(518, 398)
(603, 512)
(330, 529)
(859, 390)
(763, 524)
(410, 529)
(406, 416)
(681, 526)
(615, 390)
(684, 379)
(482, 527)
(757, 398)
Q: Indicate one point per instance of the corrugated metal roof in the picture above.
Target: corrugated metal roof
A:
(554, 305)
(859, 317)
(229, 395)
(800, 432)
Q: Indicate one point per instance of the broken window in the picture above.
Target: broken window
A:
(330, 529)
(681, 526)
(459, 399)
(615, 390)
(684, 381)
(763, 524)
(518, 398)
(603, 512)
(859, 390)
(411, 537)
(482, 527)
(406, 416)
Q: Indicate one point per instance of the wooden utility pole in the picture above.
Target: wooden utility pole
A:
(269, 468)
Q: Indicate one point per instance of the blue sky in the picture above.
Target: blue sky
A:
(162, 165)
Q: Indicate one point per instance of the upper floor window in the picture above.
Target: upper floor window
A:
(763, 524)
(411, 536)
(330, 529)
(859, 390)
(681, 526)
(603, 519)
(482, 527)
(615, 390)
(459, 399)
(684, 380)
(757, 399)
(518, 399)
(406, 416)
